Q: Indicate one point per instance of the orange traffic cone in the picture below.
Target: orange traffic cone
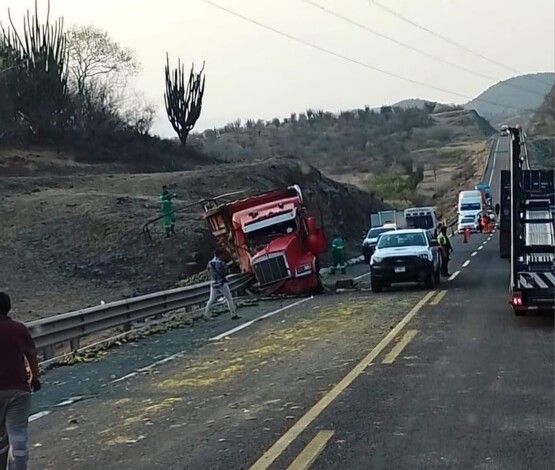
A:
(466, 235)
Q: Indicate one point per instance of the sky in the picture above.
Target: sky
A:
(254, 73)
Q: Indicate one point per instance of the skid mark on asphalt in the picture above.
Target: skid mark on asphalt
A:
(311, 452)
(437, 299)
(270, 456)
(398, 348)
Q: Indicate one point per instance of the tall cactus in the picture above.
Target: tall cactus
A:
(183, 100)
(38, 77)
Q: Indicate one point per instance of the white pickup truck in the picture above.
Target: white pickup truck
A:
(410, 255)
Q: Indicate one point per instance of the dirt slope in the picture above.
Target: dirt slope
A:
(72, 241)
(542, 134)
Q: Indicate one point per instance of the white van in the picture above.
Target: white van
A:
(470, 203)
(422, 217)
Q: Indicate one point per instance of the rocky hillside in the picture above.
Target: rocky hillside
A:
(74, 240)
(541, 133)
(358, 146)
(515, 99)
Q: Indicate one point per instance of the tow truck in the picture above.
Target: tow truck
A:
(528, 211)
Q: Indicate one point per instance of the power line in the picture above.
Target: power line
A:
(449, 40)
(349, 59)
(412, 48)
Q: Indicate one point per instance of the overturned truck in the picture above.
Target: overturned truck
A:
(272, 236)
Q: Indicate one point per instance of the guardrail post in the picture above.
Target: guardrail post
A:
(48, 352)
(74, 344)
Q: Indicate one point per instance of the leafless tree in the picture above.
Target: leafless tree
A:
(140, 114)
(183, 100)
(94, 55)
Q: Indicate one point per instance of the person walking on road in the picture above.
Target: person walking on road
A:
(338, 254)
(166, 209)
(218, 285)
(16, 347)
(445, 250)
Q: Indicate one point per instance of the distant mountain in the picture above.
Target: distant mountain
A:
(513, 100)
(412, 103)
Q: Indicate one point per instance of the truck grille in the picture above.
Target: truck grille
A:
(401, 260)
(270, 269)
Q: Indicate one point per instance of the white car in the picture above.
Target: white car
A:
(467, 222)
(369, 243)
(405, 256)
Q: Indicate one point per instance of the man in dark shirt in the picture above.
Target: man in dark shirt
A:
(16, 347)
(218, 285)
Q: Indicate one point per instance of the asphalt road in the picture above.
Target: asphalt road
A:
(407, 379)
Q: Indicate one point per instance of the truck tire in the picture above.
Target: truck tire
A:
(430, 280)
(519, 313)
(376, 285)
(437, 275)
(367, 259)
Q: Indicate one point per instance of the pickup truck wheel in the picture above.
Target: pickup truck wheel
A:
(376, 285)
(367, 259)
(437, 275)
(430, 280)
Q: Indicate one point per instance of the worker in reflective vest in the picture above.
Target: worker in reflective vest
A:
(445, 250)
(166, 210)
(338, 254)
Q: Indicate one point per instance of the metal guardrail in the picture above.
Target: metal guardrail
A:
(72, 326)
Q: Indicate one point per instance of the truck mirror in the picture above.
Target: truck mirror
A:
(497, 209)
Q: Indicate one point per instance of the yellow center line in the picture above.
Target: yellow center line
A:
(398, 348)
(284, 441)
(311, 452)
(438, 298)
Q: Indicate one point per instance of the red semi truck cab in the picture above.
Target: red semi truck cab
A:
(272, 236)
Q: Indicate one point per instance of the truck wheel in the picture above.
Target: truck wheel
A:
(437, 275)
(367, 259)
(519, 313)
(319, 288)
(430, 280)
(376, 285)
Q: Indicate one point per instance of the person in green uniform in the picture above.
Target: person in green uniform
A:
(166, 209)
(338, 254)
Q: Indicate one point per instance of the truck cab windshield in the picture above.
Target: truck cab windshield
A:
(271, 230)
(425, 222)
(375, 232)
(471, 206)
(393, 240)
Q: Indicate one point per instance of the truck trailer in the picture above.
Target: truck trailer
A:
(272, 236)
(532, 231)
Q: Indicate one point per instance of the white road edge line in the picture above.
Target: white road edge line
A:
(39, 415)
(361, 276)
(466, 263)
(454, 275)
(262, 317)
(474, 254)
